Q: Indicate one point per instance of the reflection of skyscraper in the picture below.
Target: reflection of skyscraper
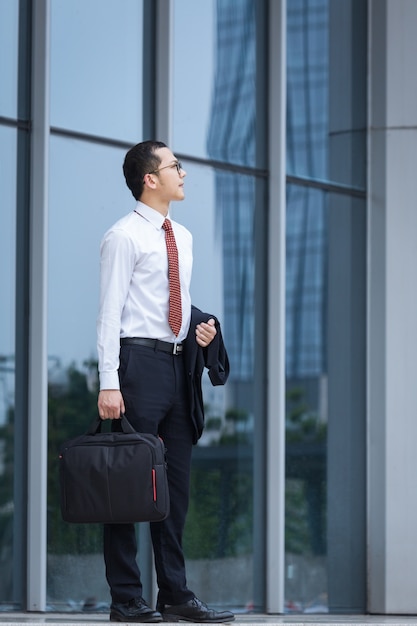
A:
(307, 142)
(231, 138)
(305, 282)
(306, 296)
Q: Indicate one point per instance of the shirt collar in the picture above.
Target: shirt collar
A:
(150, 214)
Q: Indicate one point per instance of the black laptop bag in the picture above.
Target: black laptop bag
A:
(115, 477)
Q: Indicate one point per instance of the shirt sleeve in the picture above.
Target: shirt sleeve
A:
(117, 262)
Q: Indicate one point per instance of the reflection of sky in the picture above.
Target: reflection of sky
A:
(8, 57)
(78, 219)
(96, 61)
(193, 67)
(307, 155)
(96, 67)
(87, 188)
(198, 213)
(87, 194)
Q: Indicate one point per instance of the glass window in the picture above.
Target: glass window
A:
(216, 118)
(306, 242)
(307, 88)
(324, 364)
(9, 28)
(306, 414)
(193, 74)
(9, 464)
(78, 217)
(219, 538)
(325, 300)
(219, 209)
(214, 80)
(326, 116)
(96, 62)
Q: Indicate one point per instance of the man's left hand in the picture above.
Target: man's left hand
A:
(205, 333)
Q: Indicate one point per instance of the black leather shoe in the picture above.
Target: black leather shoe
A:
(193, 611)
(136, 610)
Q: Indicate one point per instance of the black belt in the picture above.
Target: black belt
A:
(156, 344)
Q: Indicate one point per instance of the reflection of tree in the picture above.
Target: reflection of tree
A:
(302, 424)
(305, 490)
(219, 522)
(71, 410)
(220, 517)
(6, 456)
(72, 407)
(6, 483)
(231, 429)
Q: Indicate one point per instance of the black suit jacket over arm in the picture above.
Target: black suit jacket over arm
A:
(213, 357)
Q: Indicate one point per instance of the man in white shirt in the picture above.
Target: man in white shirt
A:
(142, 374)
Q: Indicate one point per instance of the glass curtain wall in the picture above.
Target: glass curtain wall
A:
(325, 289)
(224, 209)
(87, 194)
(218, 121)
(217, 130)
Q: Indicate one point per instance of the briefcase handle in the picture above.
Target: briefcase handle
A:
(95, 426)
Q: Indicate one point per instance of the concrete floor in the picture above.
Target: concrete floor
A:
(247, 619)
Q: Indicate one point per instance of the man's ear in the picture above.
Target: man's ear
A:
(149, 181)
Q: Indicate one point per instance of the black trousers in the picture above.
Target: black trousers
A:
(153, 386)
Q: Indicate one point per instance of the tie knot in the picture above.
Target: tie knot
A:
(167, 225)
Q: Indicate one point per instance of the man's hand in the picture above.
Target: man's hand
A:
(205, 333)
(110, 404)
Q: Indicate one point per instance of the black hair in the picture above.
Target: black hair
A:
(139, 161)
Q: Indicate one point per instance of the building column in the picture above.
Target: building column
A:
(346, 310)
(38, 371)
(392, 307)
(275, 436)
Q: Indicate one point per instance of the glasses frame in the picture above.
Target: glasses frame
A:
(177, 164)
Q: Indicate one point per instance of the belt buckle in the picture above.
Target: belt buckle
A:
(177, 349)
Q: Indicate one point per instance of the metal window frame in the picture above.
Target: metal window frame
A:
(20, 442)
(275, 460)
(38, 374)
(163, 79)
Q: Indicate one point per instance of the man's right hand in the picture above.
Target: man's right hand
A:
(110, 404)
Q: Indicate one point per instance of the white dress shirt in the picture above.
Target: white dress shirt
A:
(134, 288)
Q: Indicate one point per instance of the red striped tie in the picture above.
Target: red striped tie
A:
(175, 310)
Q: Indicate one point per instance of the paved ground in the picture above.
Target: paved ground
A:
(249, 619)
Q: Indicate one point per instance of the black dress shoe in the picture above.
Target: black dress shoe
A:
(136, 610)
(193, 611)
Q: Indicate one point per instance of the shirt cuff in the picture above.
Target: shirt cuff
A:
(109, 380)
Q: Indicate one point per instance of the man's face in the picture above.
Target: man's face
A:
(170, 176)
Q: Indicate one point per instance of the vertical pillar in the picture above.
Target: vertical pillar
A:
(346, 330)
(20, 442)
(346, 439)
(149, 69)
(392, 308)
(164, 26)
(275, 457)
(157, 107)
(38, 374)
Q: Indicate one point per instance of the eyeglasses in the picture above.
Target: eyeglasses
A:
(177, 164)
